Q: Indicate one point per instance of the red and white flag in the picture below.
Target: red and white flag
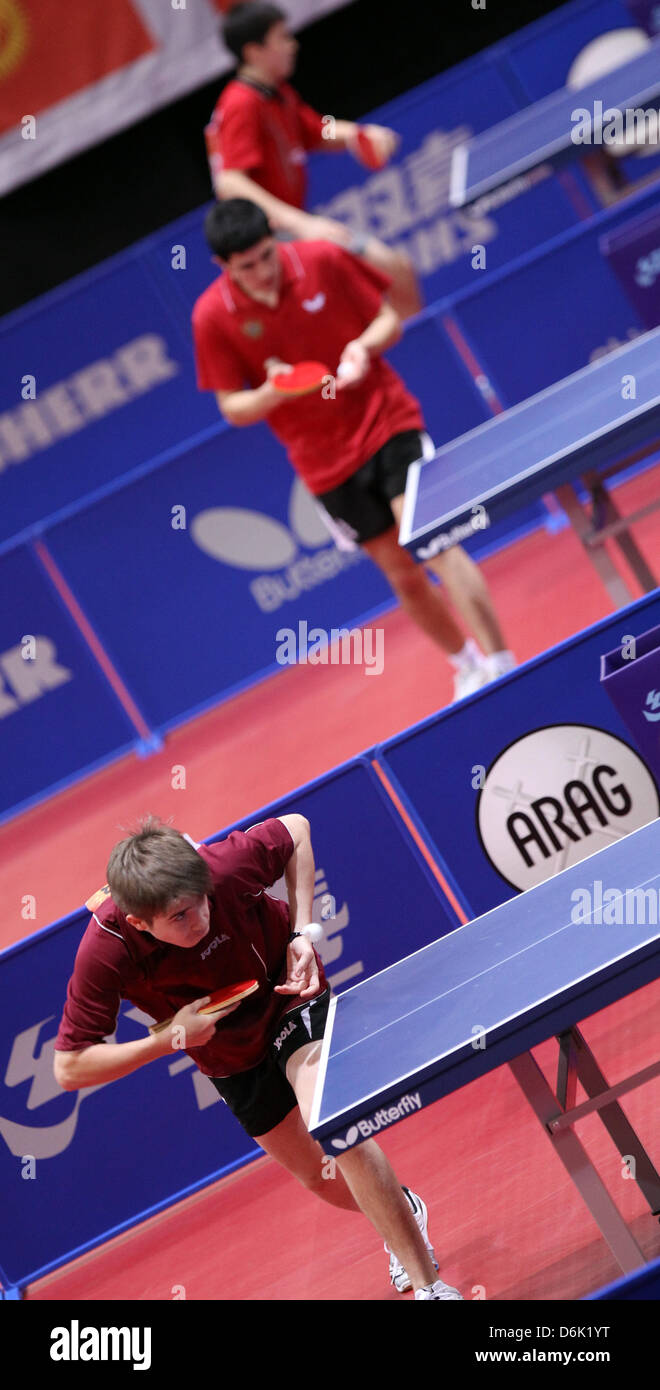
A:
(83, 69)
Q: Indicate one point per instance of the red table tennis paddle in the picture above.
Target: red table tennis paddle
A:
(218, 1001)
(367, 150)
(304, 378)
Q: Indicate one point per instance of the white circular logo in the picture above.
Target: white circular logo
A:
(556, 796)
(253, 541)
(244, 539)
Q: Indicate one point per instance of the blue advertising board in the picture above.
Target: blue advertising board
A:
(633, 251)
(530, 775)
(630, 677)
(551, 314)
(58, 715)
(541, 54)
(406, 204)
(211, 557)
(97, 379)
(77, 1166)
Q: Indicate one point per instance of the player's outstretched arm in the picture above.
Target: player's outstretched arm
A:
(380, 334)
(103, 1062)
(345, 135)
(235, 183)
(305, 226)
(299, 871)
(247, 407)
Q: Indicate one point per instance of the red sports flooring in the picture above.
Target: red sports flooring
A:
(506, 1219)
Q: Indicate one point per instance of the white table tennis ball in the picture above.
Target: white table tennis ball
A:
(314, 932)
(345, 369)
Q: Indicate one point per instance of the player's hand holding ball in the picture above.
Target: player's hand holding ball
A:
(353, 366)
(302, 972)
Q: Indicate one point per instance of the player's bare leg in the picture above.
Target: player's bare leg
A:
(380, 1198)
(467, 590)
(404, 293)
(369, 1177)
(292, 1146)
(470, 596)
(420, 598)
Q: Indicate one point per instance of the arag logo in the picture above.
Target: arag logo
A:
(253, 541)
(558, 794)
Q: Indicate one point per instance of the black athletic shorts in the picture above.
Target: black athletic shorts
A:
(360, 508)
(261, 1097)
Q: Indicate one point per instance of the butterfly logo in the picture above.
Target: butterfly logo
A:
(314, 305)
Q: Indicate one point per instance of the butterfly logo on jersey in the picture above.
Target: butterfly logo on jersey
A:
(253, 328)
(314, 305)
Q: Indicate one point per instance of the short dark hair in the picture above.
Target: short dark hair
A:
(235, 225)
(155, 867)
(249, 23)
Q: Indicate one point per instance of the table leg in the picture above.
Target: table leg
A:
(610, 517)
(616, 1122)
(567, 1074)
(601, 560)
(575, 1159)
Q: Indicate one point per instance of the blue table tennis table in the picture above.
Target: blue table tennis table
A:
(544, 133)
(588, 426)
(488, 992)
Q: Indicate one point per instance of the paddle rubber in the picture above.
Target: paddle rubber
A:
(218, 1001)
(302, 380)
(229, 994)
(368, 153)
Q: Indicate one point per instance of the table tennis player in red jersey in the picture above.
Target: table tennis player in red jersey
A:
(176, 921)
(351, 441)
(261, 130)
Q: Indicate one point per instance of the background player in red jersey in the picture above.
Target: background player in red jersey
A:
(351, 443)
(259, 135)
(179, 920)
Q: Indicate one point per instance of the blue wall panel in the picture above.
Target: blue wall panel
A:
(121, 383)
(58, 714)
(188, 614)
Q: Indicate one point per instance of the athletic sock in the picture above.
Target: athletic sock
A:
(469, 655)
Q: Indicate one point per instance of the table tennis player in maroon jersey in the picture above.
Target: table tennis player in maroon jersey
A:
(352, 441)
(176, 921)
(261, 132)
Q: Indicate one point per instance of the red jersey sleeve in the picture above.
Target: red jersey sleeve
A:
(355, 280)
(311, 123)
(94, 993)
(250, 860)
(218, 366)
(237, 134)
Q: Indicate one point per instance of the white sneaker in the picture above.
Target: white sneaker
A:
(438, 1292)
(469, 679)
(398, 1275)
(498, 664)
